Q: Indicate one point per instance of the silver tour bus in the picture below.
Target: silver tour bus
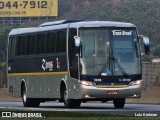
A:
(75, 61)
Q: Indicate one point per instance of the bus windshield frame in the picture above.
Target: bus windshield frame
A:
(109, 52)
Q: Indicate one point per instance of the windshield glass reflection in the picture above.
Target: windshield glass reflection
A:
(109, 52)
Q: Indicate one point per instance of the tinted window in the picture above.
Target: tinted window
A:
(61, 42)
(11, 47)
(41, 43)
(51, 42)
(21, 45)
(31, 44)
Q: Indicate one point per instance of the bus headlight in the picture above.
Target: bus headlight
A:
(137, 82)
(87, 83)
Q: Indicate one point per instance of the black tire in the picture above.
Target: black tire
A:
(119, 103)
(29, 102)
(70, 103)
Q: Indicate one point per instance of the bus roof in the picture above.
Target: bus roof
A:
(60, 22)
(71, 24)
(101, 24)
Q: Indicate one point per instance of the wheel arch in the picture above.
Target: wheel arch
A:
(23, 84)
(63, 86)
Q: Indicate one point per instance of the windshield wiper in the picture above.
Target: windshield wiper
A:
(104, 66)
(120, 67)
(114, 60)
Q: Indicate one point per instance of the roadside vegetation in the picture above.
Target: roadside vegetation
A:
(3, 46)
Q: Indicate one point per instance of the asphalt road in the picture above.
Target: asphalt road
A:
(108, 108)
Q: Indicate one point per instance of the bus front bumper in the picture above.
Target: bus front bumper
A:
(93, 92)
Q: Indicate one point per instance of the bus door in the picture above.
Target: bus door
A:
(73, 59)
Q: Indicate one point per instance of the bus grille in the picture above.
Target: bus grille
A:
(112, 86)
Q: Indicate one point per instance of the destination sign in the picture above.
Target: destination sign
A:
(120, 32)
(28, 8)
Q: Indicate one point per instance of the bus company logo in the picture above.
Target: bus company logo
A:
(47, 65)
(120, 32)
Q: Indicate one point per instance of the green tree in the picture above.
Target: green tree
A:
(3, 44)
(144, 14)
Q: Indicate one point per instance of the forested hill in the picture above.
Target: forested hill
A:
(145, 14)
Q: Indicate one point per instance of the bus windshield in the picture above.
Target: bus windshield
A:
(109, 52)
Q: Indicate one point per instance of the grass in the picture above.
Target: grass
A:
(90, 118)
(2, 64)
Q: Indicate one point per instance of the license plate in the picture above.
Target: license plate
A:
(112, 92)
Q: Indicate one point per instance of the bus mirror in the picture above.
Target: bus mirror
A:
(146, 44)
(77, 41)
(77, 45)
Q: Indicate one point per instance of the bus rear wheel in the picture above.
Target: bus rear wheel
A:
(28, 102)
(70, 103)
(119, 103)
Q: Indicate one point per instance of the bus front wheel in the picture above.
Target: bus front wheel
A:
(119, 103)
(70, 103)
(28, 102)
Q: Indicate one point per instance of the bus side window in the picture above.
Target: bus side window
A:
(31, 44)
(41, 42)
(24, 45)
(38, 45)
(61, 42)
(11, 49)
(18, 46)
(21, 45)
(51, 42)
